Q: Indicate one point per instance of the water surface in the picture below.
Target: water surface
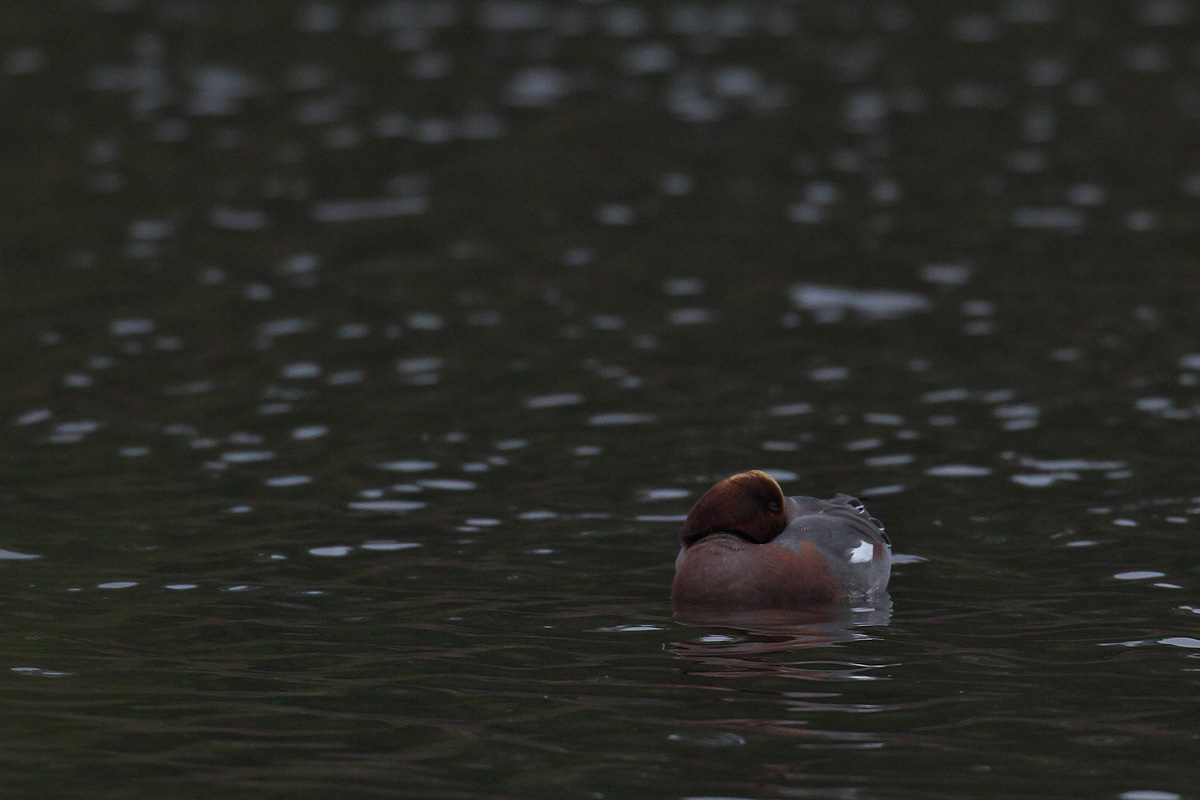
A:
(363, 359)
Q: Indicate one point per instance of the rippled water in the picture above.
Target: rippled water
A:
(363, 359)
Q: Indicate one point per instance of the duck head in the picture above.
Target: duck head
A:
(750, 505)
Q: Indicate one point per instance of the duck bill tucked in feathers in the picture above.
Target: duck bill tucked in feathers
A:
(747, 546)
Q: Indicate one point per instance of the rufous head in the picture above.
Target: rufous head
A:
(749, 504)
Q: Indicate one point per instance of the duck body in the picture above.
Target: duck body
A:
(747, 546)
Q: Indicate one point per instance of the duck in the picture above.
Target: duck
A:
(745, 546)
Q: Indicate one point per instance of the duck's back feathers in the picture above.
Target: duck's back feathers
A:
(853, 542)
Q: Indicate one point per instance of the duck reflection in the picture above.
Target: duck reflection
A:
(744, 641)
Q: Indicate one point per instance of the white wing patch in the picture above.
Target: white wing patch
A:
(864, 552)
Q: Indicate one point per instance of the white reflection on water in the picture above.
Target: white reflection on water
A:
(692, 316)
(38, 672)
(389, 545)
(131, 327)
(651, 495)
(537, 515)
(409, 465)
(345, 377)
(15, 556)
(33, 417)
(875, 491)
(790, 409)
(1043, 480)
(301, 370)
(310, 432)
(352, 210)
(897, 460)
(830, 303)
(824, 374)
(554, 400)
(220, 90)
(537, 87)
(331, 551)
(626, 629)
(958, 471)
(247, 456)
(682, 287)
(397, 506)
(447, 484)
(622, 418)
(284, 327)
(284, 481)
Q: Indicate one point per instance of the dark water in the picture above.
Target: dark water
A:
(361, 359)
